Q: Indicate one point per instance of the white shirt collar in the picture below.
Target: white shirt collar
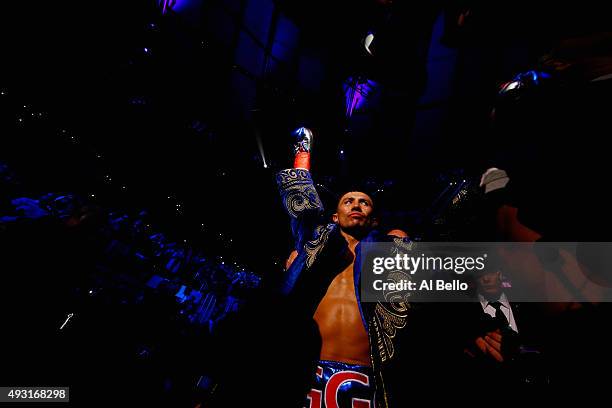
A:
(503, 299)
(506, 309)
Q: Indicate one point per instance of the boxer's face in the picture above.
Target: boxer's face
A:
(355, 211)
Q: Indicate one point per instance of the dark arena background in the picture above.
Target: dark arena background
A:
(139, 142)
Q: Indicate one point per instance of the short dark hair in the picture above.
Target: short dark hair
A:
(333, 190)
(359, 185)
(339, 196)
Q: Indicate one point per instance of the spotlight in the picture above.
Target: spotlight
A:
(367, 43)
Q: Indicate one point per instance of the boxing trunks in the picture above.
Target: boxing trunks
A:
(341, 385)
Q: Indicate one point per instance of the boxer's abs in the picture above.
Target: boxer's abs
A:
(343, 335)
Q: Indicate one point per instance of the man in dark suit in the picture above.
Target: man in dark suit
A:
(491, 318)
(508, 332)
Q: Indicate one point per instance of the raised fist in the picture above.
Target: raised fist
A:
(302, 146)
